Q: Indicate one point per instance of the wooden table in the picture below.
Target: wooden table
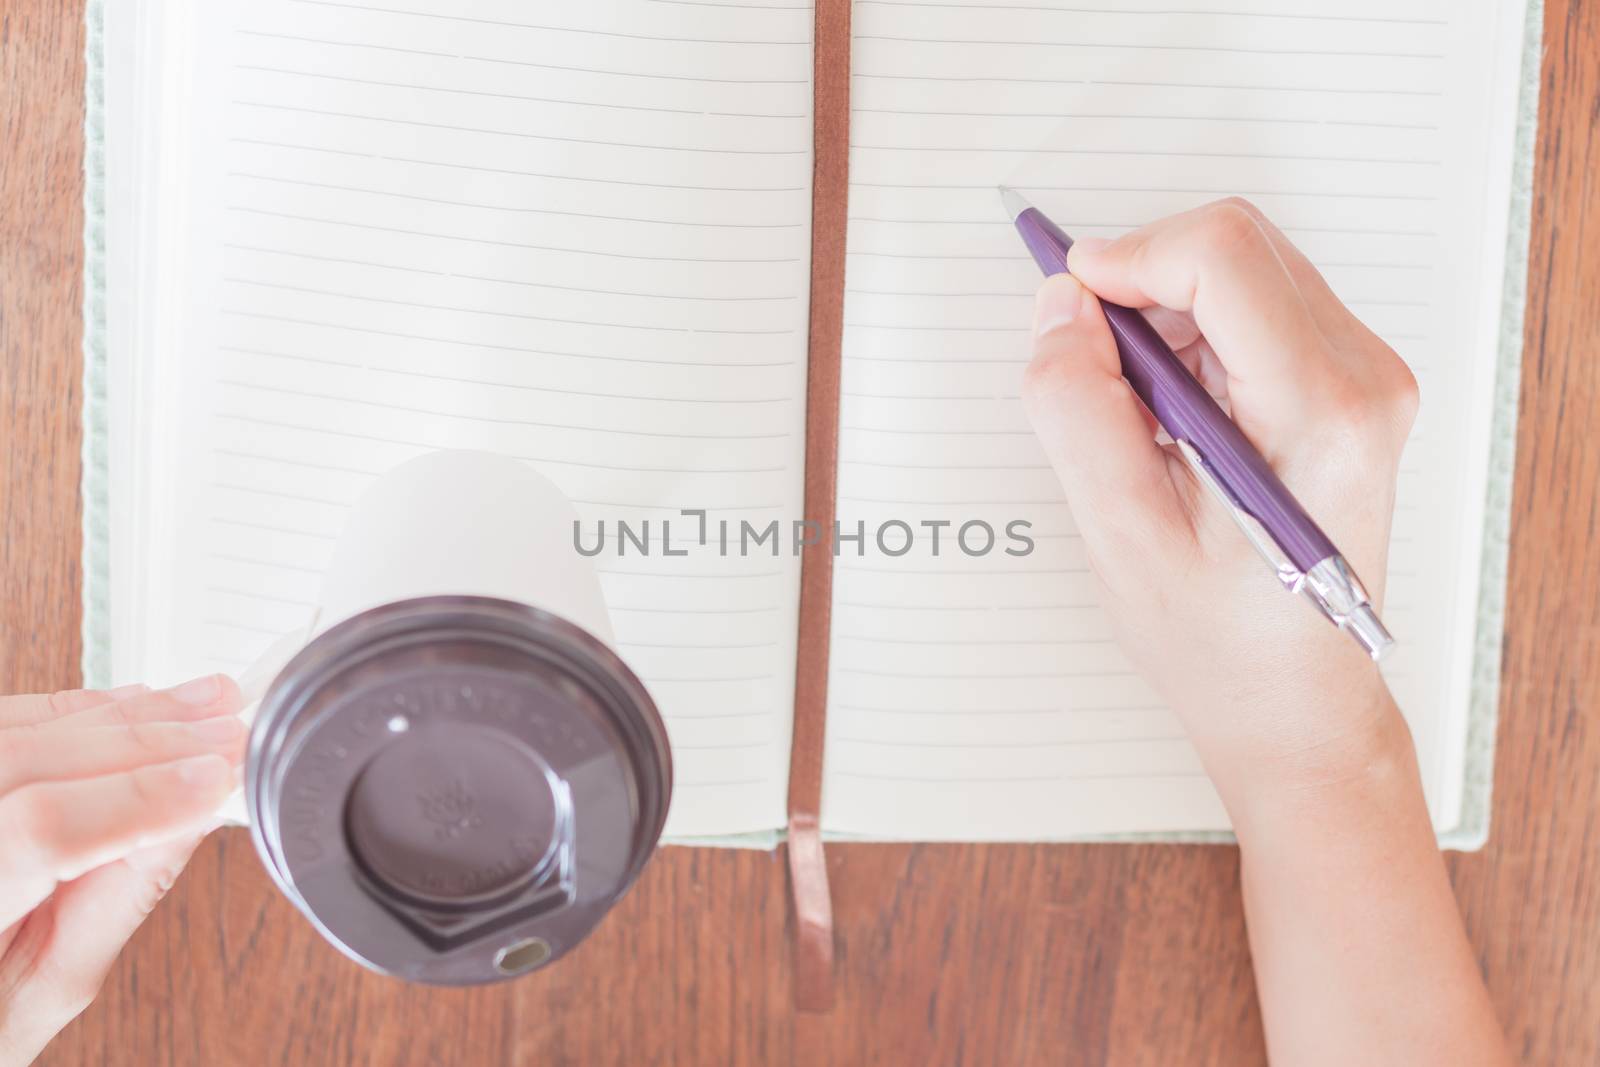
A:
(947, 954)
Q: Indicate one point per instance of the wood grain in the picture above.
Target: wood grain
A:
(947, 954)
(1532, 899)
(41, 328)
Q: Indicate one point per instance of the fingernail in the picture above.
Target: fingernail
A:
(1058, 303)
(132, 690)
(1090, 245)
(198, 692)
(204, 771)
(217, 731)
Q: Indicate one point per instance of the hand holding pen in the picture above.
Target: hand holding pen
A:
(1323, 403)
(1214, 447)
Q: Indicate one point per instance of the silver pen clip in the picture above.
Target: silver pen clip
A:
(1330, 585)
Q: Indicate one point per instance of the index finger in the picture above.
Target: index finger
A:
(27, 708)
(165, 705)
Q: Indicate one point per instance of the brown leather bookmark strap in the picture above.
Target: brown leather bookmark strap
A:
(808, 871)
(813, 916)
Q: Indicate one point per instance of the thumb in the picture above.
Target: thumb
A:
(1094, 429)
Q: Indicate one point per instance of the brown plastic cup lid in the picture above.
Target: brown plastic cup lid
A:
(455, 790)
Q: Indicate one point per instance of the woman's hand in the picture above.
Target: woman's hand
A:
(103, 796)
(1268, 691)
(1358, 948)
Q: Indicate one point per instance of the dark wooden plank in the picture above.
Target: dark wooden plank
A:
(948, 954)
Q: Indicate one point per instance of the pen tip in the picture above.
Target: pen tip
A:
(1014, 202)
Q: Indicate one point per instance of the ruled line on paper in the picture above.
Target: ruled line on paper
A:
(937, 328)
(676, 508)
(1146, 46)
(569, 392)
(271, 631)
(456, 128)
(528, 63)
(886, 465)
(964, 642)
(347, 44)
(678, 646)
(229, 558)
(1081, 605)
(657, 77)
(281, 494)
(1348, 90)
(1028, 294)
(334, 259)
(1018, 572)
(1030, 502)
(507, 24)
(982, 676)
(737, 746)
(1064, 116)
(1070, 225)
(1012, 746)
(723, 715)
(679, 783)
(1015, 778)
(380, 439)
(877, 253)
(942, 294)
(705, 575)
(1163, 13)
(615, 292)
(606, 358)
(925, 432)
(741, 7)
(937, 360)
(1333, 194)
(263, 457)
(584, 178)
(254, 595)
(590, 393)
(273, 528)
(522, 209)
(707, 679)
(567, 102)
(990, 398)
(690, 610)
(580, 427)
(648, 327)
(503, 281)
(1388, 335)
(987, 712)
(503, 244)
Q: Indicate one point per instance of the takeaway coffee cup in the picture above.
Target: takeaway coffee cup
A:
(455, 777)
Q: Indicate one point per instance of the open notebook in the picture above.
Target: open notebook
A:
(340, 234)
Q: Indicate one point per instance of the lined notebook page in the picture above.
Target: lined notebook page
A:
(575, 234)
(983, 697)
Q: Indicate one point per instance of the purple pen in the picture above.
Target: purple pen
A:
(1291, 542)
